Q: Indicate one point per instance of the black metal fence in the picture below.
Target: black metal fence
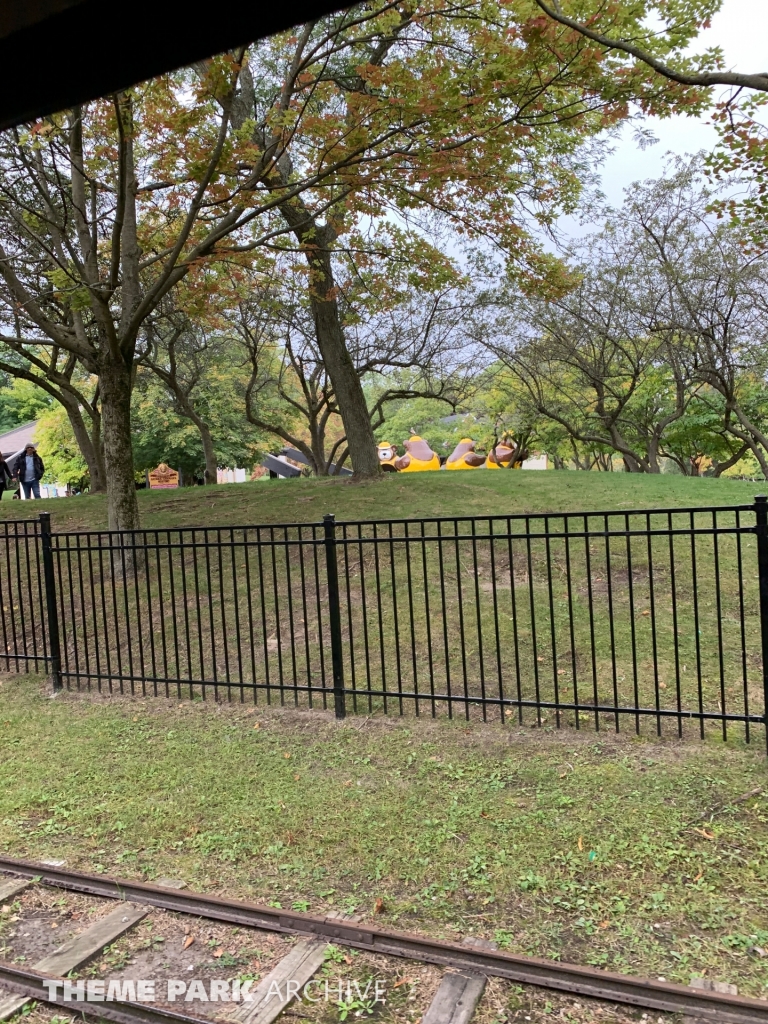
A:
(597, 618)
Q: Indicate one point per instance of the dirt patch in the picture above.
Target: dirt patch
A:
(172, 946)
(167, 946)
(41, 920)
(489, 737)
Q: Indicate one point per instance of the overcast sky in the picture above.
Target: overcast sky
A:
(741, 29)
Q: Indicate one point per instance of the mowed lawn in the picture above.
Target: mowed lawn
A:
(636, 854)
(414, 495)
(639, 855)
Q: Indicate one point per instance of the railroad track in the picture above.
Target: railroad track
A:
(466, 967)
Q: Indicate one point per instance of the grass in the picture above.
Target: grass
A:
(635, 854)
(641, 856)
(518, 620)
(408, 496)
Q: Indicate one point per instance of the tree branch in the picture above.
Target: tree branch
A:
(705, 79)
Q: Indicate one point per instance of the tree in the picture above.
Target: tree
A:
(20, 402)
(714, 299)
(502, 404)
(85, 258)
(670, 309)
(59, 450)
(632, 31)
(699, 442)
(404, 335)
(163, 432)
(57, 376)
(200, 373)
(384, 111)
(466, 111)
(653, 34)
(591, 365)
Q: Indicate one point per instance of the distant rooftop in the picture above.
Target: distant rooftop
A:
(17, 439)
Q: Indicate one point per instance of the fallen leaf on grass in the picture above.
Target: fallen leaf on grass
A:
(286, 755)
(257, 726)
(604, 924)
(403, 981)
(699, 877)
(188, 941)
(703, 832)
(378, 906)
(218, 952)
(581, 843)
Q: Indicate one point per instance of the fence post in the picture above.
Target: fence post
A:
(54, 646)
(334, 612)
(761, 529)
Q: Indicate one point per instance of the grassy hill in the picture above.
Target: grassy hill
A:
(409, 496)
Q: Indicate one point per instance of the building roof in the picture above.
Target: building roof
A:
(55, 54)
(17, 439)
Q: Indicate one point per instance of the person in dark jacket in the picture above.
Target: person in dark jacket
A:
(29, 470)
(5, 476)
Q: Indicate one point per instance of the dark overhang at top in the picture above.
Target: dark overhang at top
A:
(56, 53)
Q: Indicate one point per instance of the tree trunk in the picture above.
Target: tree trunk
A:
(211, 462)
(317, 444)
(654, 466)
(338, 363)
(344, 378)
(90, 447)
(719, 467)
(115, 388)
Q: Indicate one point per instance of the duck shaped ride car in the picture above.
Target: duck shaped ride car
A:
(501, 456)
(418, 456)
(464, 456)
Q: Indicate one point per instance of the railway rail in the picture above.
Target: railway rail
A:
(460, 990)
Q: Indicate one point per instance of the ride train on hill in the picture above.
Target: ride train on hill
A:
(419, 457)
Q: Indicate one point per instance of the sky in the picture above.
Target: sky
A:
(741, 29)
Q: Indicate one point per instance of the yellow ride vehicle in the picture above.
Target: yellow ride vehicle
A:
(464, 456)
(418, 456)
(502, 455)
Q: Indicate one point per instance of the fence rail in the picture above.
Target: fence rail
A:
(599, 618)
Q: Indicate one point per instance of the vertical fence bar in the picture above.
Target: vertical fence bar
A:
(761, 529)
(50, 601)
(334, 614)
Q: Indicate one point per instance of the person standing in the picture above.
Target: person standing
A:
(29, 470)
(5, 476)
